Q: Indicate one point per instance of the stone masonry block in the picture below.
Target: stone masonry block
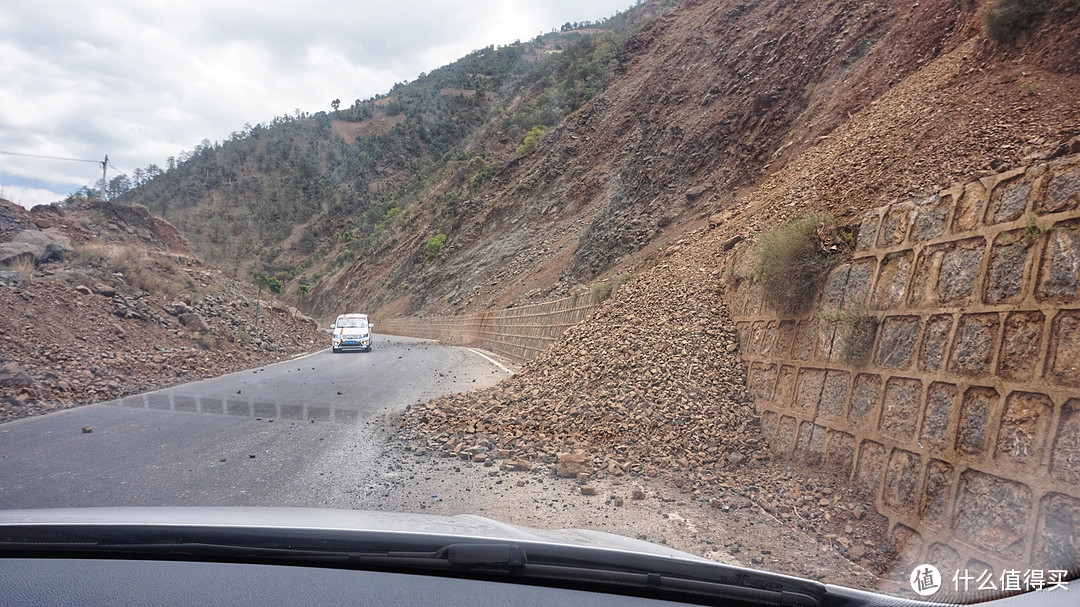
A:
(894, 225)
(897, 340)
(769, 420)
(1057, 544)
(769, 340)
(940, 400)
(840, 451)
(871, 465)
(784, 394)
(785, 335)
(810, 443)
(1009, 259)
(1021, 345)
(938, 490)
(1062, 193)
(973, 346)
(835, 290)
(970, 208)
(1008, 201)
(975, 411)
(804, 340)
(865, 396)
(848, 284)
(808, 391)
(1065, 458)
(1025, 423)
(907, 546)
(959, 269)
(1063, 362)
(757, 336)
(935, 341)
(901, 490)
(868, 230)
(900, 413)
(1060, 268)
(892, 280)
(784, 440)
(923, 291)
(944, 557)
(993, 513)
(834, 394)
(932, 217)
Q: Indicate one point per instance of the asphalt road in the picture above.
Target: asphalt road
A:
(296, 433)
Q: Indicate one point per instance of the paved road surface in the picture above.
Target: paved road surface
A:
(296, 433)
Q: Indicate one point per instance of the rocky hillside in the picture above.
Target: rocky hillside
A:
(101, 300)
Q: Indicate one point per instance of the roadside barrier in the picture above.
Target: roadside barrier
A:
(519, 333)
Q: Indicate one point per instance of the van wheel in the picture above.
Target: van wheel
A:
(335, 350)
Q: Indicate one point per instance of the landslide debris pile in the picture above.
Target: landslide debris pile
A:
(652, 383)
(101, 301)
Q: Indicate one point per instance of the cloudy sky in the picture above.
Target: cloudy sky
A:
(141, 80)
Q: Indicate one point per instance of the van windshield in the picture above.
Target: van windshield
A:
(352, 323)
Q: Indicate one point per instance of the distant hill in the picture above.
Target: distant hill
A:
(524, 172)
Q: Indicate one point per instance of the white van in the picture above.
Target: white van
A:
(351, 332)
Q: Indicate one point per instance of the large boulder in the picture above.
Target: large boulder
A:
(41, 246)
(194, 322)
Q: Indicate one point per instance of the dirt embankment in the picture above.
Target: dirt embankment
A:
(120, 306)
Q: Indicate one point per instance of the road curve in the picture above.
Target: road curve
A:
(286, 434)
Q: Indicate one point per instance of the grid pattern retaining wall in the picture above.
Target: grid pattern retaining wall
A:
(518, 333)
(963, 419)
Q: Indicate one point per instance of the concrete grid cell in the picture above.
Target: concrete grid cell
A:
(973, 347)
(901, 489)
(1057, 544)
(907, 546)
(993, 514)
(970, 208)
(1009, 259)
(769, 420)
(975, 411)
(1060, 267)
(935, 341)
(1021, 345)
(840, 451)
(944, 557)
(757, 336)
(932, 218)
(896, 341)
(805, 331)
(760, 379)
(1063, 361)
(900, 410)
(865, 396)
(938, 488)
(834, 394)
(871, 465)
(1008, 201)
(808, 391)
(1065, 457)
(784, 394)
(940, 400)
(810, 443)
(923, 291)
(769, 339)
(742, 330)
(894, 225)
(785, 336)
(892, 280)
(1025, 422)
(868, 229)
(785, 435)
(1062, 193)
(959, 269)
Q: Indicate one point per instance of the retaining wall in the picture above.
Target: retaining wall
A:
(518, 333)
(963, 419)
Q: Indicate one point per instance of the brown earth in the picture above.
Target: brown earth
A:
(129, 310)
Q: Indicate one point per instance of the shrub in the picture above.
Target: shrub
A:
(24, 265)
(434, 246)
(856, 326)
(792, 263)
(603, 290)
(1005, 20)
(532, 138)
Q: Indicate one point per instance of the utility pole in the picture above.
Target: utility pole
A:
(104, 166)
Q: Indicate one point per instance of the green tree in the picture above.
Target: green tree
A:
(532, 138)
(335, 104)
(435, 245)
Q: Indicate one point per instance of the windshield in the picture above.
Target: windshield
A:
(790, 286)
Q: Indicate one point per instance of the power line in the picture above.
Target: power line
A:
(49, 157)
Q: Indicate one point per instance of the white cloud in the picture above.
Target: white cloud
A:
(141, 80)
(29, 197)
